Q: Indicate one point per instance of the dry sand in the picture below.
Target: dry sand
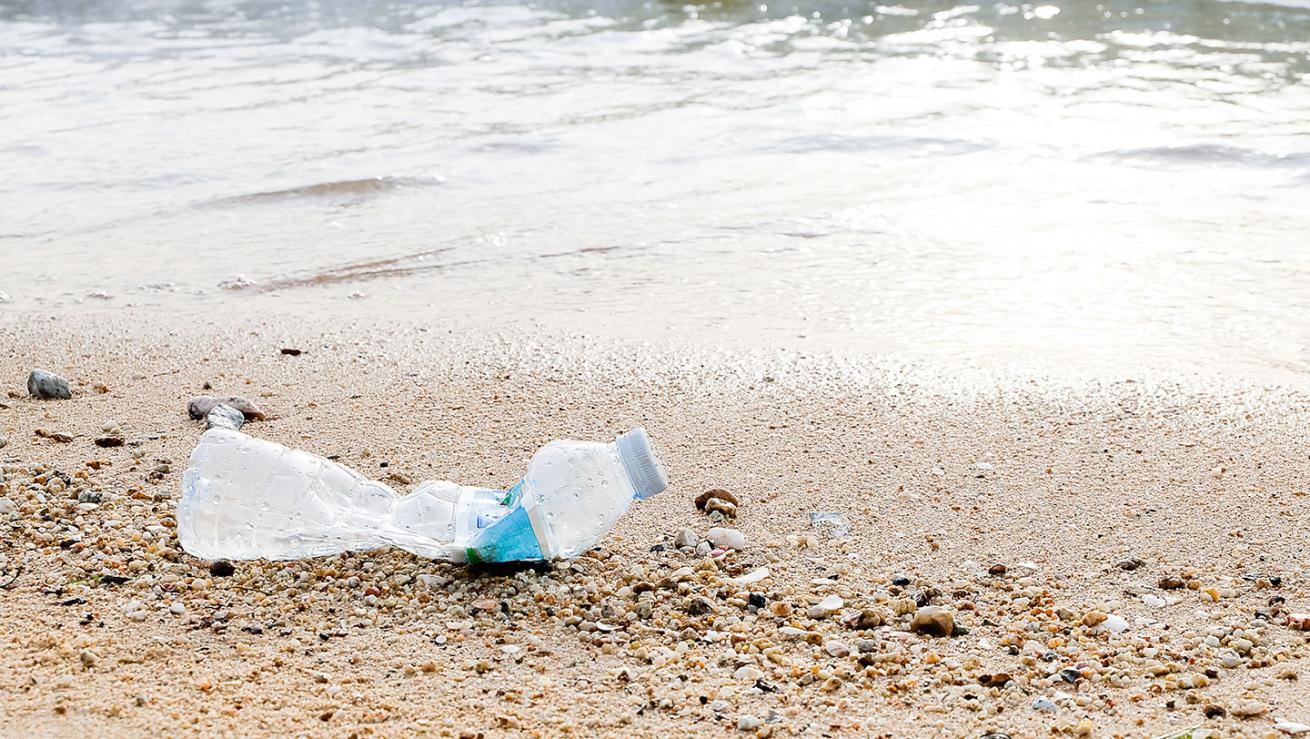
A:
(1200, 478)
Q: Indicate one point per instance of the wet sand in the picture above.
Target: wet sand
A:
(1090, 493)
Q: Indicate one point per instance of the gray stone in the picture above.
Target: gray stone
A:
(224, 416)
(47, 385)
(200, 406)
(3, 441)
(685, 538)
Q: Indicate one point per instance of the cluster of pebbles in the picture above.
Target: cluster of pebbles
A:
(775, 639)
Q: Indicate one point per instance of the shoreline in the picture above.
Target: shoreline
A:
(1185, 472)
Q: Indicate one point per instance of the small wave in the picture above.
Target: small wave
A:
(912, 145)
(1205, 155)
(339, 190)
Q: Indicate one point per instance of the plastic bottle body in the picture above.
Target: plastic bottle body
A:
(246, 498)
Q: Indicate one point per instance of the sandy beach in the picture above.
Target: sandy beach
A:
(1119, 556)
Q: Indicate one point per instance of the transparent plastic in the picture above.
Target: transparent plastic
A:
(246, 498)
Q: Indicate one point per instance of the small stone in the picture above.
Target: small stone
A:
(748, 673)
(90, 496)
(224, 416)
(88, 658)
(933, 621)
(1094, 618)
(866, 646)
(865, 619)
(729, 510)
(1044, 705)
(484, 604)
(286, 351)
(747, 722)
(726, 538)
(753, 576)
(105, 442)
(1213, 710)
(200, 406)
(717, 493)
(3, 441)
(177, 609)
(704, 548)
(1115, 624)
(221, 568)
(1292, 728)
(756, 600)
(997, 570)
(837, 649)
(1169, 582)
(47, 385)
(686, 538)
(1250, 708)
(901, 580)
(826, 607)
(699, 606)
(1130, 564)
(1299, 621)
(433, 582)
(58, 436)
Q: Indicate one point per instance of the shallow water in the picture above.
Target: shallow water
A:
(1069, 181)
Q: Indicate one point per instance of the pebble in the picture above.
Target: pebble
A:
(747, 673)
(713, 505)
(106, 442)
(47, 385)
(1129, 564)
(686, 538)
(1299, 621)
(1292, 727)
(222, 568)
(1115, 624)
(866, 646)
(3, 441)
(865, 619)
(726, 538)
(753, 576)
(200, 406)
(747, 722)
(1044, 705)
(224, 416)
(1250, 708)
(933, 621)
(826, 607)
(716, 494)
(837, 649)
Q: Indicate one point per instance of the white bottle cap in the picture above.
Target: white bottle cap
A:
(644, 468)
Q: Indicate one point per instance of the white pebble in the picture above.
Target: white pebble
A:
(726, 538)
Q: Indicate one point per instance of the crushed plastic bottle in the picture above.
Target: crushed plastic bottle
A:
(246, 498)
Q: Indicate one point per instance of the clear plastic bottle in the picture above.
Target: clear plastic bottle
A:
(246, 498)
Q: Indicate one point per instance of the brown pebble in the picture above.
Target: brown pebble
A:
(997, 570)
(292, 352)
(62, 438)
(221, 568)
(484, 604)
(105, 442)
(1169, 582)
(1213, 710)
(865, 619)
(719, 493)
